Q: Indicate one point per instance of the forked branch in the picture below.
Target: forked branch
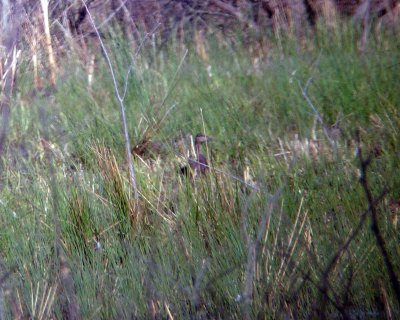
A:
(120, 98)
(364, 163)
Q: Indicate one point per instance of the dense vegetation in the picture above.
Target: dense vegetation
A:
(279, 227)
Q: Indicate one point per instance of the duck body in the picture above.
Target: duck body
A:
(199, 164)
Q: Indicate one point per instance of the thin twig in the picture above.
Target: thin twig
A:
(113, 13)
(364, 163)
(7, 82)
(324, 286)
(135, 56)
(146, 36)
(174, 78)
(314, 109)
(132, 175)
(252, 250)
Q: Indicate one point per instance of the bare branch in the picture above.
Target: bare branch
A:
(324, 286)
(252, 250)
(132, 175)
(174, 78)
(7, 82)
(364, 163)
(317, 114)
(113, 13)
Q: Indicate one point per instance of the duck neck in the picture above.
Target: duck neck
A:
(198, 148)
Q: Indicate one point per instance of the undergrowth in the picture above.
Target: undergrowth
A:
(182, 251)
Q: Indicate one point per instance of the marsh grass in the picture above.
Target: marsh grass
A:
(182, 252)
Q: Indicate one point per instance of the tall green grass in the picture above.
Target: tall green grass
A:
(182, 251)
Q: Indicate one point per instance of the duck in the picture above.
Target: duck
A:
(199, 164)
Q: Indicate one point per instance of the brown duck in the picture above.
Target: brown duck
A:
(199, 164)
